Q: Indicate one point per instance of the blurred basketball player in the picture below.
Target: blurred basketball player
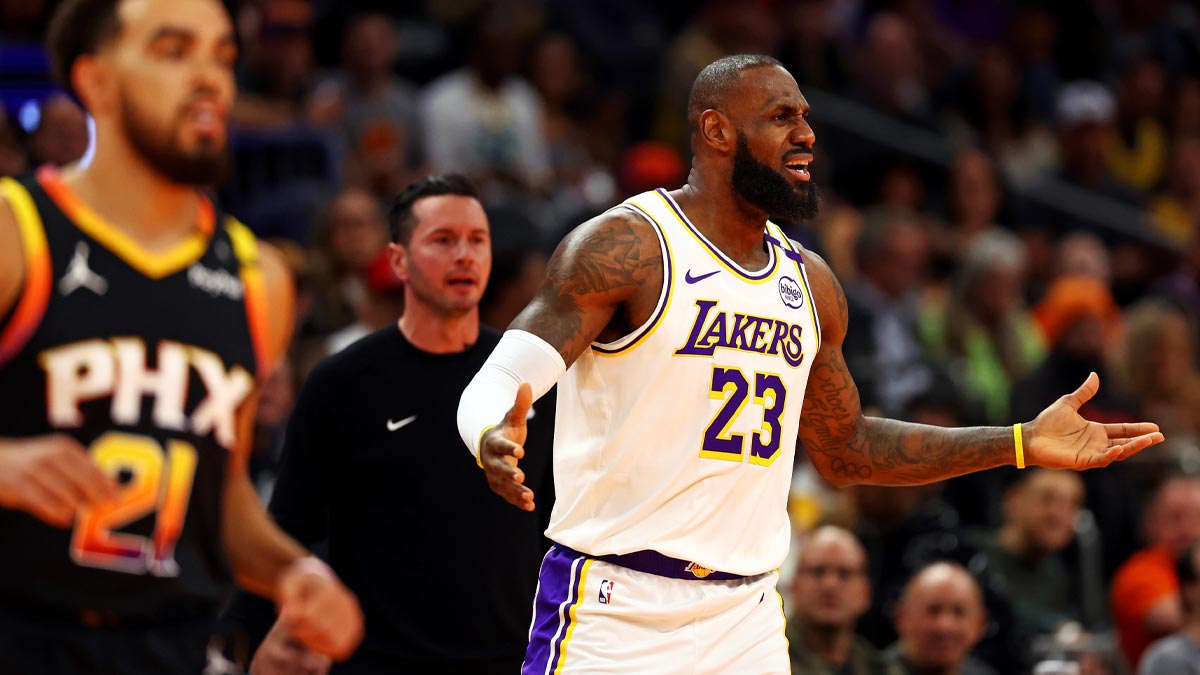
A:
(136, 322)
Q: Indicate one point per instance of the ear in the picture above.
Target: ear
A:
(95, 84)
(717, 131)
(398, 259)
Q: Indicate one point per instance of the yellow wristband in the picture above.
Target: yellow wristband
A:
(1020, 443)
(479, 446)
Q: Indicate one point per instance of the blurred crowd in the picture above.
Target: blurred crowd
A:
(1010, 197)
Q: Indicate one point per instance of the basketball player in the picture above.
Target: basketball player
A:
(695, 332)
(137, 321)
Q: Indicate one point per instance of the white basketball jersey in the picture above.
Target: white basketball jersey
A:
(680, 437)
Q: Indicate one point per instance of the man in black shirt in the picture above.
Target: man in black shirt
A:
(372, 464)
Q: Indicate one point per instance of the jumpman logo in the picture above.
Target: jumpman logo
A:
(79, 275)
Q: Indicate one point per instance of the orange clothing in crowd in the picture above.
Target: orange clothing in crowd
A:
(1142, 582)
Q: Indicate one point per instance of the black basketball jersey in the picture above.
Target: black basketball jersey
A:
(144, 358)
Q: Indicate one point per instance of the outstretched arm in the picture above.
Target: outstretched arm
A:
(847, 447)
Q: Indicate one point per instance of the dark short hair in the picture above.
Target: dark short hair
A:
(79, 28)
(713, 83)
(401, 222)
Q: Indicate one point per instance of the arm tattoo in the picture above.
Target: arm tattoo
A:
(598, 267)
(847, 447)
(857, 449)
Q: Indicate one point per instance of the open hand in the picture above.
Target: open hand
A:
(1061, 439)
(502, 446)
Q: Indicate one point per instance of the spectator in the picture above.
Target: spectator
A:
(1177, 210)
(940, 618)
(811, 50)
(1081, 323)
(382, 301)
(1086, 114)
(1033, 34)
(581, 180)
(1137, 142)
(1083, 254)
(1158, 366)
(1145, 590)
(348, 235)
(375, 111)
(518, 267)
(830, 592)
(901, 528)
(275, 76)
(1027, 555)
(890, 72)
(975, 197)
(485, 120)
(984, 333)
(884, 354)
(1180, 653)
(717, 28)
(992, 114)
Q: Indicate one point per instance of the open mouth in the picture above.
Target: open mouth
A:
(462, 282)
(205, 119)
(798, 166)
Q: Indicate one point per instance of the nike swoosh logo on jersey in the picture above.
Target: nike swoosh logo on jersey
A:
(691, 279)
(393, 426)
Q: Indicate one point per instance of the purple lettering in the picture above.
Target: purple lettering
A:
(692, 346)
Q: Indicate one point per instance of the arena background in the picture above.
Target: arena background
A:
(1011, 197)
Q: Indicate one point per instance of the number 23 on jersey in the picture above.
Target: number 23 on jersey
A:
(734, 387)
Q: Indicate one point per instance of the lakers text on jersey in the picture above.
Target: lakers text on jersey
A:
(679, 438)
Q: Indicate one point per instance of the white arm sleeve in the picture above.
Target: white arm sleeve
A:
(519, 357)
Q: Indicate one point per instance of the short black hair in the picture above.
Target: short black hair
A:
(79, 28)
(400, 219)
(713, 83)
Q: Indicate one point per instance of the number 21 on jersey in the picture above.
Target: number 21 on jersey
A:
(160, 482)
(732, 386)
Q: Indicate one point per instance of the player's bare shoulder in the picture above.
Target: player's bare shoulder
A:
(613, 253)
(606, 273)
(12, 258)
(828, 296)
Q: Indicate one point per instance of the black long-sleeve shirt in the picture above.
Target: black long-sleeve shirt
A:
(445, 569)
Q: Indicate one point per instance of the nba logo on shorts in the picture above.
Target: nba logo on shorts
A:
(606, 587)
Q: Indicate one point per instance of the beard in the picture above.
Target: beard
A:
(768, 190)
(207, 165)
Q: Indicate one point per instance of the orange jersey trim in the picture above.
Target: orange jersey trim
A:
(245, 247)
(155, 265)
(35, 293)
